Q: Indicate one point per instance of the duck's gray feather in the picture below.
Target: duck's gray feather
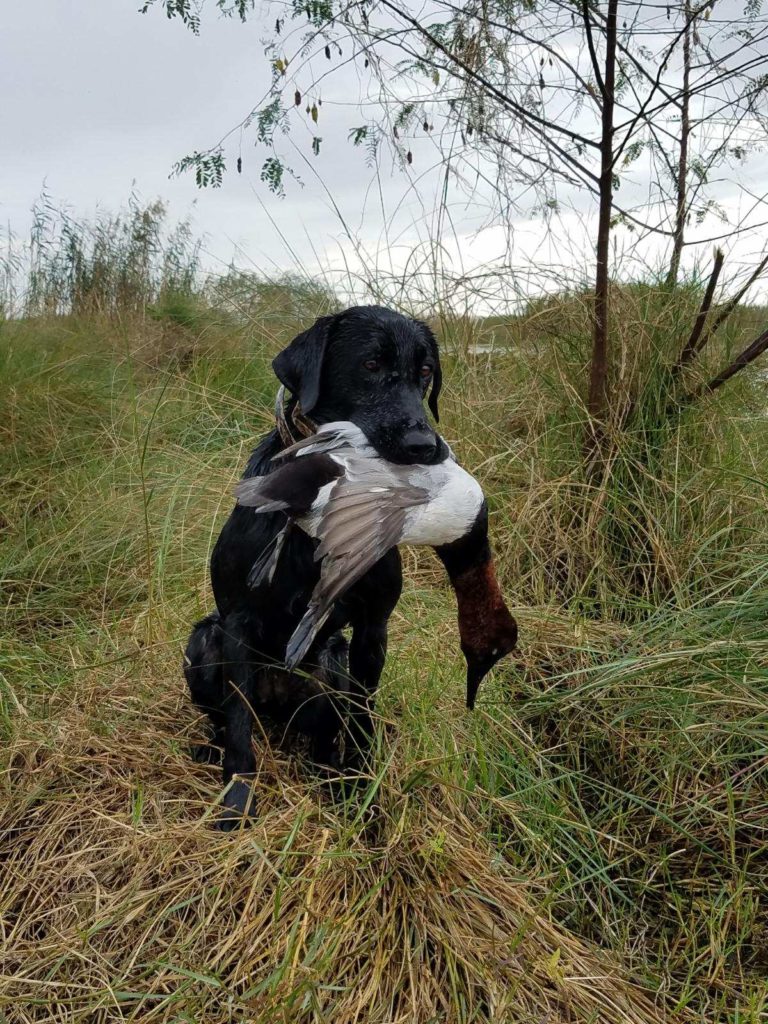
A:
(330, 437)
(362, 519)
(357, 529)
(263, 569)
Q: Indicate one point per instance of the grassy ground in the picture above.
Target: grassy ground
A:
(590, 845)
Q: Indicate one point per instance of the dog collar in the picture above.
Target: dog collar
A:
(303, 424)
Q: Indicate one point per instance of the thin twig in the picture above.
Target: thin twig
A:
(750, 353)
(692, 346)
(729, 307)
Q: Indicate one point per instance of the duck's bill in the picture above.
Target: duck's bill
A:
(475, 675)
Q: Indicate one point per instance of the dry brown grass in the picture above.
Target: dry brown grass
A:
(118, 901)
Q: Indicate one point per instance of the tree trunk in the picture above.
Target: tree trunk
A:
(681, 210)
(598, 376)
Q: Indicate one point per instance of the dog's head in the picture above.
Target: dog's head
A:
(373, 367)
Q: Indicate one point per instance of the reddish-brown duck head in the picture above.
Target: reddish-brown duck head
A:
(487, 629)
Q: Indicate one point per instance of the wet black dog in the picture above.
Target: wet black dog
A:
(373, 367)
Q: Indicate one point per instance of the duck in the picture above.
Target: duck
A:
(335, 487)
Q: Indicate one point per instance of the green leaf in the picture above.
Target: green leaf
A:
(208, 167)
(267, 119)
(358, 135)
(272, 173)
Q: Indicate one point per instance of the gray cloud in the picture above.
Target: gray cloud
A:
(103, 97)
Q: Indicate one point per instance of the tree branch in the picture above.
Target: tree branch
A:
(527, 116)
(591, 46)
(729, 307)
(750, 353)
(692, 346)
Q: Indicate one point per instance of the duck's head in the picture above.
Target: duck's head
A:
(487, 643)
(487, 629)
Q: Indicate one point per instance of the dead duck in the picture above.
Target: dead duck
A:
(335, 487)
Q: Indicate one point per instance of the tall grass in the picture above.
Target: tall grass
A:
(114, 264)
(590, 846)
(136, 263)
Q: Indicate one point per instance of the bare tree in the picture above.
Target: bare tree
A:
(536, 104)
(606, 83)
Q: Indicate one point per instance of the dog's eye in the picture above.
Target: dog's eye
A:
(426, 372)
(373, 365)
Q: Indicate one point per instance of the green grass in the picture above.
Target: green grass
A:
(604, 814)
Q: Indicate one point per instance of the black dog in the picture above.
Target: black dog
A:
(373, 367)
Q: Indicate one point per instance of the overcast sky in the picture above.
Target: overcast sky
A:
(99, 99)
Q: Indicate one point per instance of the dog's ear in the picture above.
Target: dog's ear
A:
(299, 366)
(437, 377)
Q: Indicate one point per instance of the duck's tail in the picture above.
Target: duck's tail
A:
(304, 635)
(263, 570)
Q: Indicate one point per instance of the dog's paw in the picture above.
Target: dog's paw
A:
(205, 753)
(238, 807)
(326, 759)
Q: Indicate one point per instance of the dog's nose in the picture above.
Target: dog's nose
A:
(419, 445)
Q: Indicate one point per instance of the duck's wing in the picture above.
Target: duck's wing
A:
(291, 488)
(362, 521)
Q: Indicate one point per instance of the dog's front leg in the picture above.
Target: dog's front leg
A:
(367, 653)
(239, 763)
(372, 604)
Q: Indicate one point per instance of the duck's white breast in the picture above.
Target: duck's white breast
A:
(450, 513)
